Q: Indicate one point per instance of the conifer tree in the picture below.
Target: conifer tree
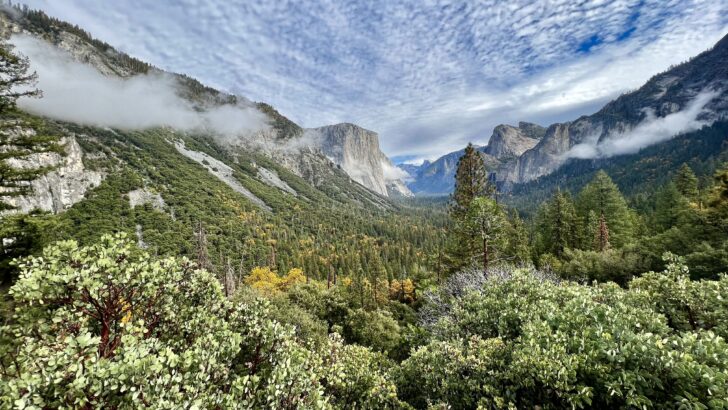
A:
(687, 183)
(602, 196)
(669, 207)
(487, 224)
(518, 244)
(14, 73)
(16, 145)
(557, 224)
(471, 181)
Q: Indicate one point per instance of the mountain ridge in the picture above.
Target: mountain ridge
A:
(621, 123)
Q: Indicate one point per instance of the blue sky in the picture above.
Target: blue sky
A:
(429, 76)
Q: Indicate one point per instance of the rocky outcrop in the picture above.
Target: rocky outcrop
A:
(505, 145)
(529, 151)
(143, 196)
(357, 151)
(508, 142)
(60, 188)
(220, 170)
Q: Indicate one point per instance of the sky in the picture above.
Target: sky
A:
(428, 76)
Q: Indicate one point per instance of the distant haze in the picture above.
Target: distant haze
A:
(77, 92)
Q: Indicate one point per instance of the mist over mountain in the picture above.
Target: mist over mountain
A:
(681, 100)
(168, 242)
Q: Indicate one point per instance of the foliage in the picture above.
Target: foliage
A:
(376, 329)
(487, 224)
(108, 326)
(523, 340)
(15, 77)
(602, 196)
(267, 282)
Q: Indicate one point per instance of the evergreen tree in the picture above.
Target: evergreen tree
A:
(687, 183)
(669, 206)
(557, 225)
(14, 73)
(518, 249)
(602, 196)
(487, 224)
(471, 181)
(17, 145)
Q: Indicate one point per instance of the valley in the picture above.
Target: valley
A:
(167, 244)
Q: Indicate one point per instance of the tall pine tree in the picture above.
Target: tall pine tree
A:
(471, 181)
(602, 196)
(687, 183)
(557, 225)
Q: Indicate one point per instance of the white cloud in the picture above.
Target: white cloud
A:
(393, 172)
(650, 131)
(428, 75)
(77, 92)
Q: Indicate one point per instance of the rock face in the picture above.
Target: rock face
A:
(222, 171)
(529, 151)
(509, 142)
(59, 189)
(664, 94)
(505, 145)
(356, 151)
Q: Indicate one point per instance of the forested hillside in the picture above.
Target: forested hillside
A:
(166, 268)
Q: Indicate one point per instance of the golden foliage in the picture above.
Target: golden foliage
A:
(268, 283)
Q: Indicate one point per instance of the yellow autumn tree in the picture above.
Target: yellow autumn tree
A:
(264, 280)
(293, 277)
(403, 291)
(268, 283)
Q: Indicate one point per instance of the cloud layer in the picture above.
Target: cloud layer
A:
(78, 93)
(650, 131)
(428, 75)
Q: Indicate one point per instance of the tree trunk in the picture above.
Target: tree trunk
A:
(485, 255)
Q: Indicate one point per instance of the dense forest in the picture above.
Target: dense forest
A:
(590, 297)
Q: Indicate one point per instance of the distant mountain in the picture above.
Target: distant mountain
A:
(665, 106)
(506, 144)
(357, 151)
(346, 148)
(681, 100)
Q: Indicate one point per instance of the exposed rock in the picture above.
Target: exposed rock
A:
(505, 145)
(357, 151)
(59, 189)
(271, 178)
(509, 142)
(143, 196)
(221, 170)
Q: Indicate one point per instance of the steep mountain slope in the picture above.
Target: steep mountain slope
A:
(679, 101)
(270, 199)
(357, 151)
(284, 141)
(667, 99)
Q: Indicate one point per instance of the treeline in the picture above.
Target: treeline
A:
(594, 233)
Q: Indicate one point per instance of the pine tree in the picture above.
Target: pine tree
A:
(669, 207)
(518, 247)
(14, 73)
(487, 224)
(557, 225)
(602, 196)
(16, 145)
(687, 183)
(471, 181)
